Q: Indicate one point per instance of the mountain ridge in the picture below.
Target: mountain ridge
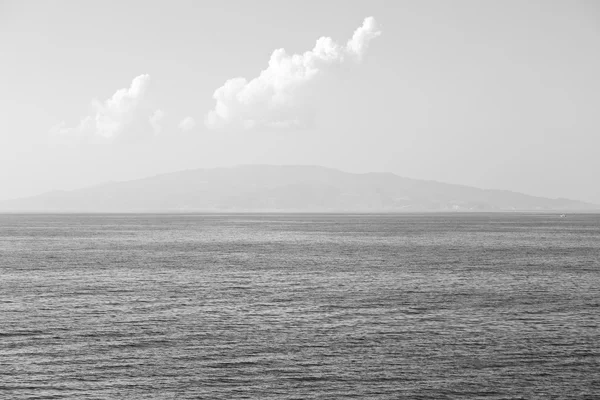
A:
(289, 188)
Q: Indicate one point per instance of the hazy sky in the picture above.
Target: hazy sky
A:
(495, 94)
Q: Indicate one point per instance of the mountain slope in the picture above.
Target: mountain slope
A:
(282, 188)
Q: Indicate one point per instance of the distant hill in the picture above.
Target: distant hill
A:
(283, 188)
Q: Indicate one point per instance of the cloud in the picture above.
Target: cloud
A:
(155, 120)
(187, 124)
(280, 97)
(112, 117)
(59, 129)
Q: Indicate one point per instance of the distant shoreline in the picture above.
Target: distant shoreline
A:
(285, 212)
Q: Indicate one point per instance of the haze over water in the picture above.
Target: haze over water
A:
(299, 306)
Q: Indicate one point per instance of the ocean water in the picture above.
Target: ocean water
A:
(495, 306)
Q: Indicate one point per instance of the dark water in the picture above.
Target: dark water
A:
(299, 307)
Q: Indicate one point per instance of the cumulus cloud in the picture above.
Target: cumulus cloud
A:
(112, 117)
(155, 120)
(279, 97)
(187, 124)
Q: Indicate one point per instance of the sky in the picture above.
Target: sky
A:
(492, 94)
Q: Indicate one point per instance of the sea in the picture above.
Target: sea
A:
(300, 306)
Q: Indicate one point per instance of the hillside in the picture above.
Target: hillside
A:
(283, 188)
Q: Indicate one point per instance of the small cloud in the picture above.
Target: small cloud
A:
(280, 97)
(155, 120)
(59, 129)
(187, 124)
(112, 117)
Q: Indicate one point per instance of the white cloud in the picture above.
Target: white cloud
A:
(279, 97)
(113, 116)
(187, 124)
(155, 120)
(59, 129)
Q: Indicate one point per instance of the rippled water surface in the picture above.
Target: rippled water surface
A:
(299, 306)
